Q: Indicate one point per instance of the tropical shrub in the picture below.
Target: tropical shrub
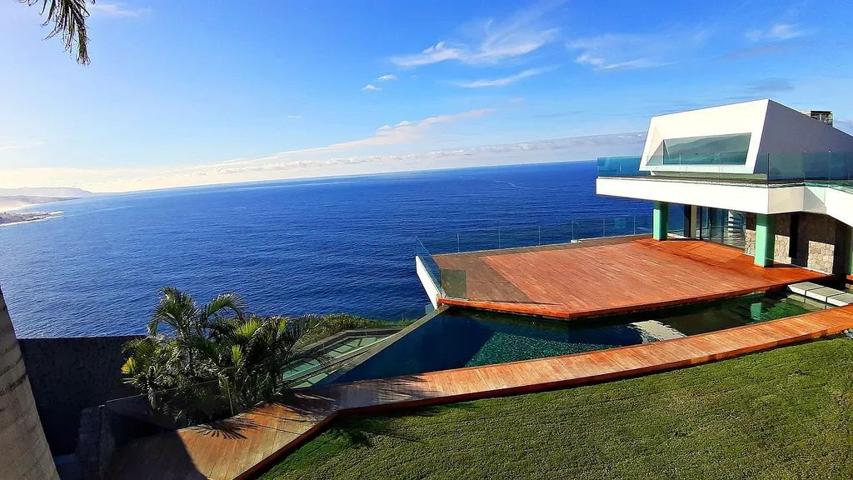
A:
(214, 360)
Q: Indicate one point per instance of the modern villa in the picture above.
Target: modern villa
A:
(756, 175)
(753, 182)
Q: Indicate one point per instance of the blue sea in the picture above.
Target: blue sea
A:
(288, 247)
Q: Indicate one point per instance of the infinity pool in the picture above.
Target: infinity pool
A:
(458, 339)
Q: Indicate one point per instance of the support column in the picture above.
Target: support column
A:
(850, 252)
(26, 455)
(660, 220)
(765, 239)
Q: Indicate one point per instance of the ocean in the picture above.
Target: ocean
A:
(288, 247)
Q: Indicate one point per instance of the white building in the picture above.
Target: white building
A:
(742, 172)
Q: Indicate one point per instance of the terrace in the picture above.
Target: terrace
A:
(594, 277)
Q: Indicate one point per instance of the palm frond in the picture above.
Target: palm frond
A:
(69, 21)
(224, 302)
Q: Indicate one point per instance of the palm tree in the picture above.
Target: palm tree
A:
(214, 361)
(69, 21)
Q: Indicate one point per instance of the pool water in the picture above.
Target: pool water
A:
(458, 339)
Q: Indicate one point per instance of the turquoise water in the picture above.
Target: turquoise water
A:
(458, 339)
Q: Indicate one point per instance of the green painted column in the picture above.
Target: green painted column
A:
(850, 256)
(765, 239)
(660, 220)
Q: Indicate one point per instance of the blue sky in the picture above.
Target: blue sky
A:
(198, 92)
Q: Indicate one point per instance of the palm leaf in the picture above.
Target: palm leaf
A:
(69, 21)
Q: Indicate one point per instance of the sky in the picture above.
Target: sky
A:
(196, 92)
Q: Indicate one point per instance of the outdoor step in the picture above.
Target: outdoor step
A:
(803, 287)
(841, 300)
(823, 294)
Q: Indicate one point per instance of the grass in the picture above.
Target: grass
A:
(781, 414)
(323, 326)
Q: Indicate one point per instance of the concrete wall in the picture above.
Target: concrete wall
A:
(70, 374)
(25, 453)
(821, 244)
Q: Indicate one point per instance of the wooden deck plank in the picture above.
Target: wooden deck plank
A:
(614, 276)
(199, 452)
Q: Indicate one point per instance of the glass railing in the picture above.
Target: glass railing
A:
(832, 168)
(700, 159)
(801, 167)
(436, 251)
(620, 167)
(428, 262)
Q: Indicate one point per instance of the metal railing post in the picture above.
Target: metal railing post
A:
(457, 243)
(540, 235)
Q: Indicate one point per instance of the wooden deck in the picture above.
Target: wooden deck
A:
(606, 276)
(243, 446)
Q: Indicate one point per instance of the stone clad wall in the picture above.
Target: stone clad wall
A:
(24, 450)
(820, 237)
(71, 374)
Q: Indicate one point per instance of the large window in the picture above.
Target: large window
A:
(709, 150)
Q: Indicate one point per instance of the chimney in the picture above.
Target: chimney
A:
(824, 116)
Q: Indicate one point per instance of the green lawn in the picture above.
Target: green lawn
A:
(780, 414)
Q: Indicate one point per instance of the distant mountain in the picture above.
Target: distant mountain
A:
(54, 192)
(15, 198)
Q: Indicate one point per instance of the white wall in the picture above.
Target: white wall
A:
(774, 128)
(734, 196)
(426, 280)
(747, 117)
(788, 131)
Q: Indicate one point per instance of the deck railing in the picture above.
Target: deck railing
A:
(834, 168)
(454, 282)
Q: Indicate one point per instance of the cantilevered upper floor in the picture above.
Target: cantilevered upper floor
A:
(760, 157)
(780, 177)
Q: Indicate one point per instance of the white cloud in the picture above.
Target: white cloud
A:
(503, 81)
(387, 78)
(371, 88)
(776, 32)
(620, 51)
(19, 145)
(493, 41)
(116, 10)
(406, 131)
(325, 161)
(294, 117)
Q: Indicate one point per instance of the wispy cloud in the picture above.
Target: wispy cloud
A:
(382, 151)
(493, 42)
(503, 81)
(295, 117)
(387, 78)
(406, 131)
(844, 125)
(776, 32)
(371, 88)
(769, 85)
(324, 162)
(19, 145)
(116, 10)
(623, 51)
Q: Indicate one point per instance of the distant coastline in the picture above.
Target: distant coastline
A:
(12, 200)
(15, 218)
